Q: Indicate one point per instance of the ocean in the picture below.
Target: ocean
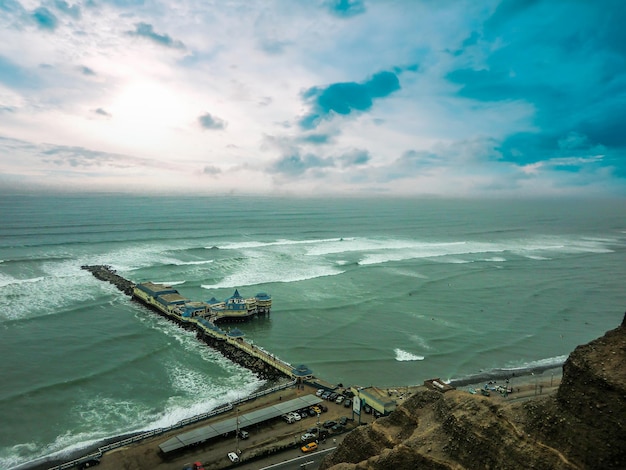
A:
(378, 291)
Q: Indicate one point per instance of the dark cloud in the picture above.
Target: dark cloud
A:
(295, 164)
(344, 98)
(571, 72)
(64, 7)
(355, 158)
(87, 71)
(146, 30)
(211, 170)
(316, 139)
(207, 121)
(45, 19)
(345, 8)
(102, 112)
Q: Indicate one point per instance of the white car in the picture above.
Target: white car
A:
(295, 416)
(339, 399)
(319, 392)
(307, 437)
(233, 457)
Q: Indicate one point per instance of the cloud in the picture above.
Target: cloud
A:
(45, 19)
(570, 71)
(87, 71)
(295, 164)
(75, 156)
(316, 139)
(102, 112)
(345, 8)
(64, 7)
(147, 31)
(211, 170)
(354, 158)
(344, 98)
(15, 76)
(207, 121)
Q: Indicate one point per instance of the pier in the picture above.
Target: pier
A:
(231, 344)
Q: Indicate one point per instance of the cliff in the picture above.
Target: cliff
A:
(581, 427)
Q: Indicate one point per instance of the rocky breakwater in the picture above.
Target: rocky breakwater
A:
(236, 355)
(108, 274)
(580, 427)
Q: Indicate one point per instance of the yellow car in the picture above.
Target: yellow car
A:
(310, 447)
(317, 409)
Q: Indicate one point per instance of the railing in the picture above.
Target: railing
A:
(155, 432)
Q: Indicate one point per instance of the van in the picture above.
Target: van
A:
(233, 457)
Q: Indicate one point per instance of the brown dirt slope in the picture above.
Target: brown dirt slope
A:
(581, 427)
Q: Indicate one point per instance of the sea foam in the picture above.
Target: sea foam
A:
(402, 356)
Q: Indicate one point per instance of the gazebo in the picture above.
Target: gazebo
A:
(300, 373)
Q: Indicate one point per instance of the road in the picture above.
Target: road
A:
(309, 462)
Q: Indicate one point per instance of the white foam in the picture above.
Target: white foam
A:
(402, 356)
(281, 242)
(170, 283)
(252, 278)
(12, 281)
(538, 258)
(549, 361)
(186, 263)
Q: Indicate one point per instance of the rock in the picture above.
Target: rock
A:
(582, 427)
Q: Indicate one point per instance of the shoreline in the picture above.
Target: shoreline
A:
(502, 374)
(523, 379)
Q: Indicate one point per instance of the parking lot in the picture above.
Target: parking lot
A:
(274, 435)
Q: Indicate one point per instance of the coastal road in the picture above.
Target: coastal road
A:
(308, 462)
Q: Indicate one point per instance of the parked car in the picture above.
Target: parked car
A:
(306, 437)
(295, 416)
(316, 409)
(312, 431)
(233, 457)
(337, 428)
(347, 403)
(198, 466)
(339, 399)
(89, 463)
(310, 447)
(323, 407)
(287, 417)
(367, 409)
(333, 396)
(325, 395)
(319, 392)
(343, 420)
(243, 434)
(329, 424)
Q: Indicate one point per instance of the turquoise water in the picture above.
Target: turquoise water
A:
(368, 292)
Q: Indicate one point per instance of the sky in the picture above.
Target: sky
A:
(502, 98)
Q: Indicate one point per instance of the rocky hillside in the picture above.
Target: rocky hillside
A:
(582, 427)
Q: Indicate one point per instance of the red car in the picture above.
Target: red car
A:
(198, 466)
